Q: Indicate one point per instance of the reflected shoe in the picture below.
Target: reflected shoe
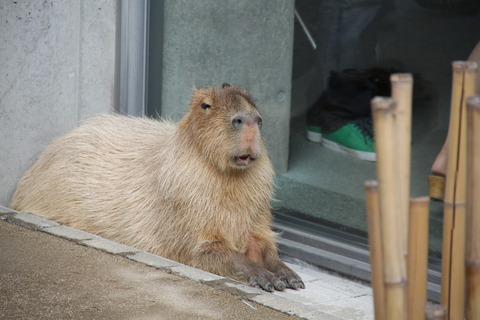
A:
(354, 138)
(314, 134)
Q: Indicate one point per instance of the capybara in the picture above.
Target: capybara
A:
(197, 192)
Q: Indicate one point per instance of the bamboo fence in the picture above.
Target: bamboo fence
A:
(473, 209)
(454, 239)
(402, 88)
(391, 221)
(417, 264)
(398, 225)
(375, 244)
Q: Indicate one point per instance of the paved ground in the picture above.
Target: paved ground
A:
(50, 271)
(44, 276)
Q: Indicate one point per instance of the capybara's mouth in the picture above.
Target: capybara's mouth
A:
(243, 160)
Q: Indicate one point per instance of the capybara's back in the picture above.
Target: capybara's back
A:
(197, 192)
(99, 177)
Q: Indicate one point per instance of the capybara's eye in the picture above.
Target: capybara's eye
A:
(205, 106)
(259, 121)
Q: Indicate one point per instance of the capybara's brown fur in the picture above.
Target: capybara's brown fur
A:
(197, 192)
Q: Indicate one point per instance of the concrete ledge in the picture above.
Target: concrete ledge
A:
(291, 308)
(5, 210)
(70, 233)
(195, 274)
(109, 246)
(243, 288)
(28, 220)
(152, 260)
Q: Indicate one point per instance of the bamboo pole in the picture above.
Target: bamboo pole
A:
(391, 223)
(473, 209)
(375, 244)
(402, 88)
(417, 257)
(435, 312)
(457, 87)
(453, 252)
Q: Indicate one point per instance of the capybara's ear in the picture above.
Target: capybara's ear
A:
(226, 84)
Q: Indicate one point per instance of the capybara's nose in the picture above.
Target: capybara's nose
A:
(238, 121)
(241, 120)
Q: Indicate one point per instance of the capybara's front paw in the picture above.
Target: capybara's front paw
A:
(290, 278)
(266, 281)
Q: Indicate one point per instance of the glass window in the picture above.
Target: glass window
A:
(358, 44)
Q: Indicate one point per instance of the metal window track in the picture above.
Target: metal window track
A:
(335, 250)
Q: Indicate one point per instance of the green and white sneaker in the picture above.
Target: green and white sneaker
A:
(354, 138)
(314, 133)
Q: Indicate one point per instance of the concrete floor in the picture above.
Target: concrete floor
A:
(46, 277)
(52, 271)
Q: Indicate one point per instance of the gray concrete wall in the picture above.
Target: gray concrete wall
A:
(57, 67)
(247, 43)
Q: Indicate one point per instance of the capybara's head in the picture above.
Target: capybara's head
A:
(224, 125)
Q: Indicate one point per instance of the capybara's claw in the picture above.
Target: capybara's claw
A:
(296, 284)
(267, 287)
(280, 285)
(293, 283)
(289, 278)
(268, 282)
